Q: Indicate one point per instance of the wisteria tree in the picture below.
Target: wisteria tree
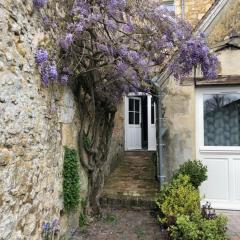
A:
(106, 48)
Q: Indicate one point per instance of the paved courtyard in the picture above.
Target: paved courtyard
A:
(139, 225)
(233, 223)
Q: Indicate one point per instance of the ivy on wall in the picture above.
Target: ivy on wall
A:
(71, 184)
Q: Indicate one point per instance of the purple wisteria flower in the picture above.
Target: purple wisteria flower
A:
(44, 71)
(53, 73)
(64, 78)
(111, 24)
(41, 56)
(39, 3)
(79, 28)
(46, 227)
(66, 41)
(128, 28)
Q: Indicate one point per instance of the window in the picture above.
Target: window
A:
(169, 5)
(222, 119)
(134, 111)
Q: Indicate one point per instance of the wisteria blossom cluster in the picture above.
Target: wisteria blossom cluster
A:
(48, 70)
(122, 45)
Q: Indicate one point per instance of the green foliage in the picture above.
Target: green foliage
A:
(199, 228)
(178, 198)
(185, 229)
(82, 217)
(86, 142)
(71, 186)
(110, 218)
(82, 220)
(214, 228)
(140, 233)
(195, 170)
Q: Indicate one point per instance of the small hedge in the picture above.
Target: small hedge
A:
(195, 170)
(199, 228)
(179, 210)
(71, 185)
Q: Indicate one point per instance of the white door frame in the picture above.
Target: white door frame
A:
(151, 127)
(219, 156)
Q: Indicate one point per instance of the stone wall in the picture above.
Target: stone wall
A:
(194, 10)
(227, 23)
(179, 111)
(35, 124)
(116, 150)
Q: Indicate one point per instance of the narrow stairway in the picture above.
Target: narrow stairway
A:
(132, 184)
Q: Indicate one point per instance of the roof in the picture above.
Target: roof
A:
(202, 26)
(219, 81)
(231, 41)
(210, 15)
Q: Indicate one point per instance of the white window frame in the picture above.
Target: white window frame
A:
(200, 92)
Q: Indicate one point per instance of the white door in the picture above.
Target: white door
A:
(133, 123)
(218, 144)
(151, 124)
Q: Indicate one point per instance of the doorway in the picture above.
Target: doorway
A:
(140, 129)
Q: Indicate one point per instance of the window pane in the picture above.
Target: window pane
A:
(137, 105)
(131, 118)
(169, 5)
(131, 102)
(152, 112)
(137, 119)
(222, 120)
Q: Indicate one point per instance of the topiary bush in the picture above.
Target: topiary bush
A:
(177, 198)
(71, 185)
(195, 170)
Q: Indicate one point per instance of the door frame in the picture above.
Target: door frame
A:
(138, 94)
(216, 152)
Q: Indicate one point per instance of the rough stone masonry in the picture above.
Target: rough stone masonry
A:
(35, 124)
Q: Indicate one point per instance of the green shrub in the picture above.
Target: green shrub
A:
(199, 228)
(185, 229)
(178, 198)
(213, 229)
(71, 186)
(195, 170)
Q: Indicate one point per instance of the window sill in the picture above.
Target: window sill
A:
(220, 150)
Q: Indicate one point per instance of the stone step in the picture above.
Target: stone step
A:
(132, 185)
(128, 202)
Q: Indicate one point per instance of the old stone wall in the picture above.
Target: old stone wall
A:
(35, 124)
(192, 10)
(116, 150)
(226, 24)
(179, 112)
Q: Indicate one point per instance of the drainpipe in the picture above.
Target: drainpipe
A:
(159, 122)
(183, 9)
(159, 128)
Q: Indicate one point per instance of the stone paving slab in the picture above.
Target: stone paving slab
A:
(233, 223)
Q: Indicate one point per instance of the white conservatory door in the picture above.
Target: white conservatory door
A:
(151, 124)
(133, 123)
(218, 144)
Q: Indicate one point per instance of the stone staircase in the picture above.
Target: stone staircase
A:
(132, 184)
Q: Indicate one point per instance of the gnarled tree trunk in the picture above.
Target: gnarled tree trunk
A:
(97, 122)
